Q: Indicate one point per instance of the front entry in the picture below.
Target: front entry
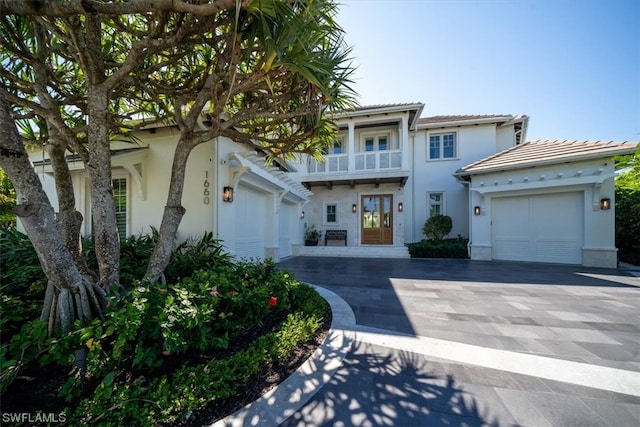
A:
(377, 220)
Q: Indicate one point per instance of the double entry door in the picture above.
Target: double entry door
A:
(377, 219)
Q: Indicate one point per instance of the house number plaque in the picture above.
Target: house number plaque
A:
(206, 199)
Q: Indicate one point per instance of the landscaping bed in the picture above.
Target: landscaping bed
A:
(188, 352)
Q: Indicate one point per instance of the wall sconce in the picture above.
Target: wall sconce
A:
(477, 210)
(400, 207)
(354, 208)
(302, 215)
(227, 194)
(605, 204)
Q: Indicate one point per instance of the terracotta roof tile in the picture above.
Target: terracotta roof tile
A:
(547, 152)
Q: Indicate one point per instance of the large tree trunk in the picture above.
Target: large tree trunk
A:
(69, 219)
(173, 211)
(105, 230)
(69, 295)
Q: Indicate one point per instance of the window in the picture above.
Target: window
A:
(337, 146)
(120, 201)
(331, 214)
(380, 142)
(442, 146)
(435, 204)
(119, 186)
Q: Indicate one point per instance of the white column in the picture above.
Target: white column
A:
(351, 147)
(404, 142)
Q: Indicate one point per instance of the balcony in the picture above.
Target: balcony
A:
(332, 163)
(370, 161)
(372, 167)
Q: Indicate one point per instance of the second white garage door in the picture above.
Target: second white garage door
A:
(542, 228)
(250, 210)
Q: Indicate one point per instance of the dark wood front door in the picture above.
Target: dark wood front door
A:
(377, 219)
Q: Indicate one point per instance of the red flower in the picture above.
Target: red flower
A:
(233, 293)
(214, 291)
(273, 301)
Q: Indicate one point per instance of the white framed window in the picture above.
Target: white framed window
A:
(442, 146)
(435, 203)
(377, 142)
(337, 146)
(330, 213)
(121, 202)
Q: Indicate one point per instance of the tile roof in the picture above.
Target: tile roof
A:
(382, 106)
(461, 118)
(535, 153)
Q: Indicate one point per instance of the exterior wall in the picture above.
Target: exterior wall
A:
(344, 197)
(209, 169)
(593, 179)
(473, 143)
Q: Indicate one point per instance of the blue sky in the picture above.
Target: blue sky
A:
(572, 66)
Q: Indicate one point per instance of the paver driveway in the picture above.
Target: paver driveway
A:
(458, 342)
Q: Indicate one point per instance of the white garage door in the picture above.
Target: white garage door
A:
(544, 228)
(250, 223)
(285, 229)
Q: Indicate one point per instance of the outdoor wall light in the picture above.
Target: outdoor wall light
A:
(302, 215)
(400, 207)
(354, 208)
(605, 204)
(227, 194)
(477, 210)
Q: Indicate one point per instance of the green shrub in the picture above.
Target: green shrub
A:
(437, 227)
(628, 224)
(167, 398)
(450, 248)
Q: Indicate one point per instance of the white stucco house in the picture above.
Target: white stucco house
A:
(388, 170)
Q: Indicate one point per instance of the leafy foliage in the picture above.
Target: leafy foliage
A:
(449, 248)
(7, 202)
(437, 227)
(131, 377)
(627, 187)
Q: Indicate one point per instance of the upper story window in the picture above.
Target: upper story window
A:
(379, 142)
(337, 146)
(442, 146)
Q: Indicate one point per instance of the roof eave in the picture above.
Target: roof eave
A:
(480, 121)
(546, 162)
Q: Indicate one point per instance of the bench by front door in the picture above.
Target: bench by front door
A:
(377, 219)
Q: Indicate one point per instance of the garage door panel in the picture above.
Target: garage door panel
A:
(250, 208)
(543, 228)
(285, 229)
(512, 249)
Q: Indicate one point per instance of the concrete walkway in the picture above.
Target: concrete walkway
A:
(457, 342)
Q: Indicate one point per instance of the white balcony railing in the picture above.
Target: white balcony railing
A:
(373, 160)
(332, 163)
(379, 160)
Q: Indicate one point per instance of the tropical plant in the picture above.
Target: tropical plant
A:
(7, 202)
(312, 233)
(627, 188)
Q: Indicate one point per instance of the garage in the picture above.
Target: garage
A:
(286, 214)
(539, 228)
(250, 223)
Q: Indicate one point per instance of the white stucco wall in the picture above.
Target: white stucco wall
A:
(344, 197)
(593, 179)
(473, 144)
